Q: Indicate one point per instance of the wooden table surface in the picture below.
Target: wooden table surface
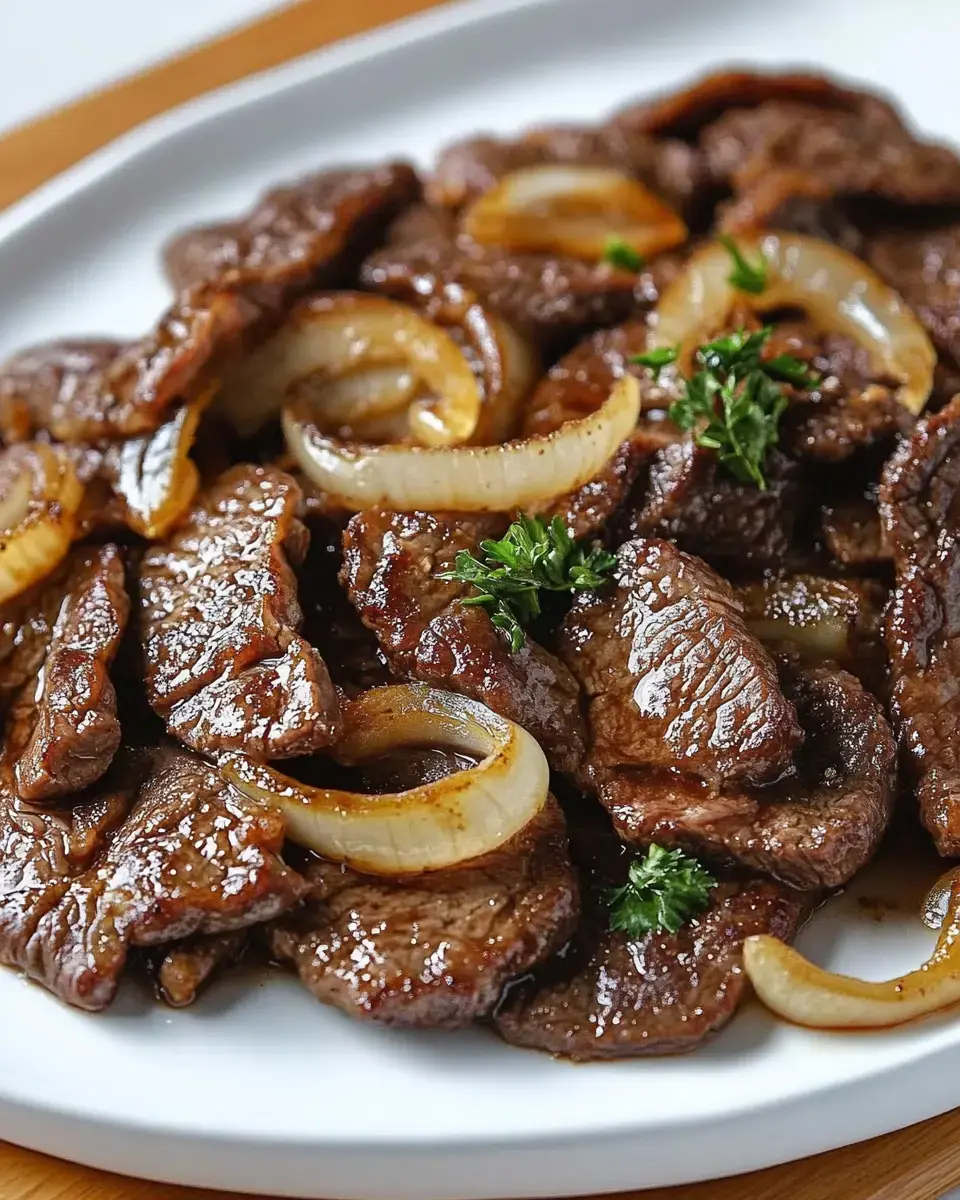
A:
(916, 1164)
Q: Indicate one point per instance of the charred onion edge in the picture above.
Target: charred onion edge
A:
(38, 514)
(426, 828)
(805, 994)
(344, 332)
(514, 475)
(839, 291)
(572, 209)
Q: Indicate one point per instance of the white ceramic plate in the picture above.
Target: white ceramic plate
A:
(258, 1087)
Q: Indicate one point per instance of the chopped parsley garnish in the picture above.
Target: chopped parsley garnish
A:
(663, 891)
(531, 558)
(656, 360)
(619, 253)
(733, 404)
(745, 276)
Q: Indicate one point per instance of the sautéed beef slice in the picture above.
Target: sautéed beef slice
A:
(161, 849)
(57, 642)
(436, 949)
(815, 828)
(391, 564)
(676, 683)
(673, 678)
(225, 664)
(918, 501)
(613, 995)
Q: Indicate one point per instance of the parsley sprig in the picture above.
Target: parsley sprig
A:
(531, 557)
(619, 253)
(663, 891)
(745, 276)
(735, 401)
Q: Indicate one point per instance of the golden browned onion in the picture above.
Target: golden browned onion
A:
(515, 475)
(39, 498)
(837, 290)
(815, 614)
(794, 988)
(425, 828)
(331, 338)
(153, 476)
(569, 209)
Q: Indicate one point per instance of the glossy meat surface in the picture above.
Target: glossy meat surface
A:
(814, 829)
(225, 664)
(616, 996)
(918, 504)
(163, 850)
(436, 949)
(58, 641)
(391, 564)
(673, 678)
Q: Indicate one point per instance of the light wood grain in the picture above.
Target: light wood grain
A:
(915, 1164)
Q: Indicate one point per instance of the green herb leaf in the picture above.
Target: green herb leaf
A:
(663, 891)
(532, 557)
(734, 404)
(619, 253)
(745, 276)
(656, 360)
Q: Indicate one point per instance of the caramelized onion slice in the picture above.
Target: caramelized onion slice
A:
(515, 475)
(425, 828)
(837, 290)
(575, 210)
(39, 498)
(331, 337)
(153, 476)
(796, 989)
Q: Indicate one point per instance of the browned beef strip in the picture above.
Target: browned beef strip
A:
(615, 996)
(191, 856)
(471, 167)
(924, 267)
(918, 505)
(546, 297)
(225, 665)
(436, 949)
(684, 113)
(814, 829)
(59, 639)
(691, 499)
(391, 564)
(296, 235)
(673, 678)
(848, 153)
(183, 970)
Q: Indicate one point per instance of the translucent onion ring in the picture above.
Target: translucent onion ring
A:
(514, 475)
(40, 496)
(569, 209)
(339, 333)
(425, 828)
(836, 289)
(794, 988)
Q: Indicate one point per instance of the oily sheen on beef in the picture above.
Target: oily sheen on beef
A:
(59, 707)
(687, 715)
(225, 664)
(611, 995)
(434, 950)
(160, 849)
(918, 505)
